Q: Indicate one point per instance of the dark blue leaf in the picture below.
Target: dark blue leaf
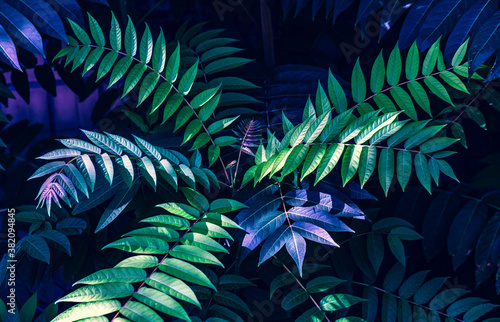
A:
(468, 25)
(488, 249)
(104, 2)
(102, 193)
(465, 230)
(274, 243)
(118, 204)
(495, 69)
(441, 20)
(413, 21)
(318, 217)
(314, 233)
(486, 42)
(68, 9)
(8, 50)
(300, 5)
(21, 29)
(438, 219)
(366, 7)
(286, 5)
(317, 4)
(43, 16)
(391, 13)
(296, 247)
(340, 6)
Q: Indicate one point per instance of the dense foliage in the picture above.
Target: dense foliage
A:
(242, 192)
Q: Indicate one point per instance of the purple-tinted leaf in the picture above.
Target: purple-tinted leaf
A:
(68, 185)
(274, 243)
(43, 16)
(21, 28)
(247, 217)
(319, 218)
(325, 201)
(296, 247)
(8, 50)
(260, 233)
(314, 233)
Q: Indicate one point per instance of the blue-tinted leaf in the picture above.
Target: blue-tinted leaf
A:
(21, 28)
(440, 20)
(8, 49)
(296, 247)
(392, 11)
(486, 42)
(413, 22)
(274, 243)
(314, 233)
(469, 25)
(319, 218)
(69, 9)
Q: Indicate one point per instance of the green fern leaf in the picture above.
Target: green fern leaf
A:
(404, 167)
(367, 163)
(185, 271)
(394, 67)
(106, 64)
(403, 100)
(187, 80)
(350, 162)
(438, 89)
(96, 31)
(146, 46)
(115, 34)
(358, 84)
(336, 93)
(119, 70)
(412, 62)
(172, 286)
(422, 171)
(430, 59)
(386, 169)
(130, 40)
(88, 310)
(378, 74)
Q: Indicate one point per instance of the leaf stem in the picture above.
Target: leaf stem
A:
(177, 90)
(302, 286)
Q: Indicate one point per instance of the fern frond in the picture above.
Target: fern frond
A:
(184, 238)
(320, 142)
(123, 164)
(249, 135)
(167, 83)
(405, 95)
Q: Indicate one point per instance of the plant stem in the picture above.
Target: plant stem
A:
(176, 90)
